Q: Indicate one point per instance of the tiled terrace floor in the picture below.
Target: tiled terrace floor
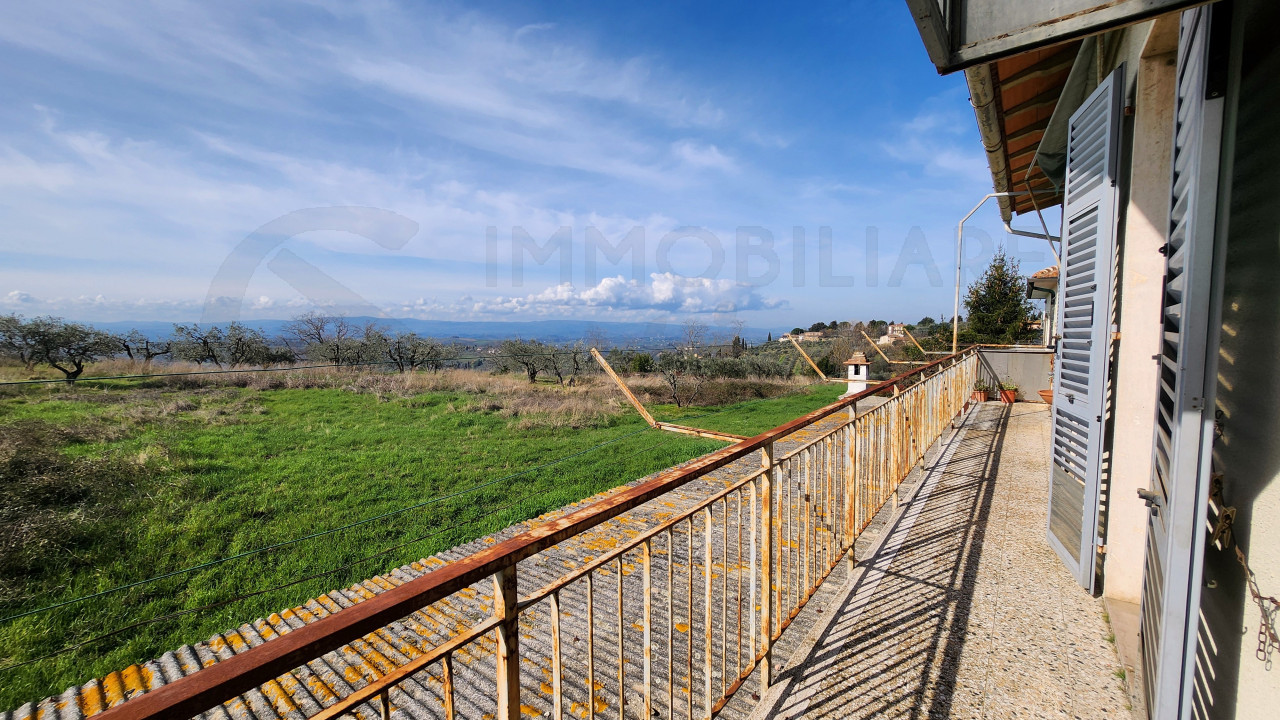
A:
(965, 611)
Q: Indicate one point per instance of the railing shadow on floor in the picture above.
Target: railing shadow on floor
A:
(886, 664)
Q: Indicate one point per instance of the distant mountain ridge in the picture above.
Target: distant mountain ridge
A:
(480, 331)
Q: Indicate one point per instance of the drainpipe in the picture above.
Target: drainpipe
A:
(955, 315)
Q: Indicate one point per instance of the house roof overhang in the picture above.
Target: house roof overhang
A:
(1013, 100)
(1043, 284)
(960, 34)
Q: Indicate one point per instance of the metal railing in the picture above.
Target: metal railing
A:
(669, 621)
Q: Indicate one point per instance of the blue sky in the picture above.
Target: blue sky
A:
(143, 146)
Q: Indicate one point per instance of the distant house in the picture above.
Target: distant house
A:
(894, 331)
(810, 336)
(1043, 285)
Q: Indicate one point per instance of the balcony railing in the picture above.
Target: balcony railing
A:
(668, 621)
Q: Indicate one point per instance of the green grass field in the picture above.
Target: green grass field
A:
(103, 487)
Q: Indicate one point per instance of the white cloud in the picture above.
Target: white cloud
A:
(665, 292)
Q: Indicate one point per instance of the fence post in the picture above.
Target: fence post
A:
(508, 665)
(766, 565)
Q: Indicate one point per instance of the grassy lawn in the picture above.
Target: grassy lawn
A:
(104, 487)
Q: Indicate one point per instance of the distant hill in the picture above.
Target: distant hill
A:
(463, 331)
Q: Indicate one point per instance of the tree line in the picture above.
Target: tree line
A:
(312, 337)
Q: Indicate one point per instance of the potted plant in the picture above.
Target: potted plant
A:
(981, 389)
(1008, 391)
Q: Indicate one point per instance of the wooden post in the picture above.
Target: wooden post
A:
(880, 352)
(604, 364)
(766, 566)
(914, 341)
(508, 658)
(808, 359)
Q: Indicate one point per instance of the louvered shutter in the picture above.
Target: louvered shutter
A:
(1085, 301)
(1183, 434)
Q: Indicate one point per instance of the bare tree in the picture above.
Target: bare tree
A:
(596, 338)
(684, 377)
(693, 331)
(566, 362)
(319, 336)
(137, 345)
(739, 343)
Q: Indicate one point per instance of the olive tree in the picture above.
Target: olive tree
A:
(18, 340)
(199, 344)
(408, 351)
(527, 356)
(137, 346)
(68, 347)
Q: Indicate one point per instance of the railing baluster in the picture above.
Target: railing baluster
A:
(786, 534)
(737, 655)
(622, 661)
(689, 615)
(508, 631)
(557, 669)
(755, 568)
(806, 552)
(386, 704)
(446, 688)
(671, 622)
(647, 558)
(766, 566)
(708, 630)
(724, 598)
(591, 648)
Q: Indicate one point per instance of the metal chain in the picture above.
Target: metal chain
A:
(1268, 639)
(1268, 607)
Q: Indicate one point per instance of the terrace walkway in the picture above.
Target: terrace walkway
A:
(963, 611)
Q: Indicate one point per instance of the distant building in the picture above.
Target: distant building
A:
(809, 336)
(1043, 285)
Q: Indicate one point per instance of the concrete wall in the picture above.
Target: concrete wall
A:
(1030, 368)
(1143, 227)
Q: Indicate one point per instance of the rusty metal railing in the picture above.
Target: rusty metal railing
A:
(669, 621)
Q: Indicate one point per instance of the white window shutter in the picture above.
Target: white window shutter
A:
(1184, 416)
(1085, 300)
